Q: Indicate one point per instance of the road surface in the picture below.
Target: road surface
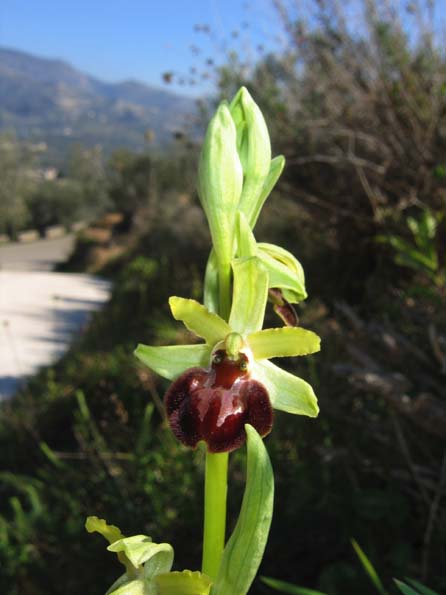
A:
(40, 311)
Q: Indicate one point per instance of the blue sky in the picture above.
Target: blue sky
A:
(139, 39)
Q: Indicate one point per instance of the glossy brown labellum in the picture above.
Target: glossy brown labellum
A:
(215, 404)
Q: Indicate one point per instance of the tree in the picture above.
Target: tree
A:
(130, 177)
(15, 160)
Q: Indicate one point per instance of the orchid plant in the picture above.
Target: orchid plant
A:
(224, 389)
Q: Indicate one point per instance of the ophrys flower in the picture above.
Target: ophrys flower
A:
(228, 381)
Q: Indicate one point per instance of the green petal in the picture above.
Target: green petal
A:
(287, 392)
(199, 320)
(183, 583)
(249, 295)
(284, 270)
(275, 169)
(244, 550)
(283, 342)
(139, 549)
(170, 361)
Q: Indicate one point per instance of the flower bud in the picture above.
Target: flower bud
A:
(220, 180)
(254, 149)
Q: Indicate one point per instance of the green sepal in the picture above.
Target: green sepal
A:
(171, 360)
(284, 270)
(199, 320)
(139, 549)
(283, 342)
(94, 524)
(246, 242)
(183, 583)
(126, 586)
(210, 292)
(254, 148)
(275, 170)
(287, 392)
(220, 180)
(250, 293)
(244, 550)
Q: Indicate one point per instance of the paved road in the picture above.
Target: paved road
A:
(36, 256)
(40, 311)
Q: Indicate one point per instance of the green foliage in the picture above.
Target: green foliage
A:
(368, 567)
(55, 202)
(129, 182)
(365, 470)
(86, 167)
(244, 551)
(422, 254)
(412, 587)
(285, 587)
(15, 160)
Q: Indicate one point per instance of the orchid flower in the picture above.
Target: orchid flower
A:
(222, 384)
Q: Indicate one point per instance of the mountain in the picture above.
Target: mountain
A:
(49, 101)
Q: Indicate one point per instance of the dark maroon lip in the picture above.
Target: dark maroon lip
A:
(228, 371)
(215, 404)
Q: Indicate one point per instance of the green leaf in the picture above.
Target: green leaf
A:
(249, 295)
(409, 256)
(244, 550)
(283, 342)
(368, 567)
(199, 320)
(289, 588)
(287, 392)
(405, 589)
(284, 270)
(210, 297)
(254, 148)
(421, 588)
(275, 170)
(183, 583)
(220, 180)
(171, 360)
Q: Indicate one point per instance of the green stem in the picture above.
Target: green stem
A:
(215, 489)
(216, 474)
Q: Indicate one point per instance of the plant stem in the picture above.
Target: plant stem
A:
(215, 489)
(216, 473)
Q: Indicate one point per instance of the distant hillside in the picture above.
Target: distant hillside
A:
(50, 101)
